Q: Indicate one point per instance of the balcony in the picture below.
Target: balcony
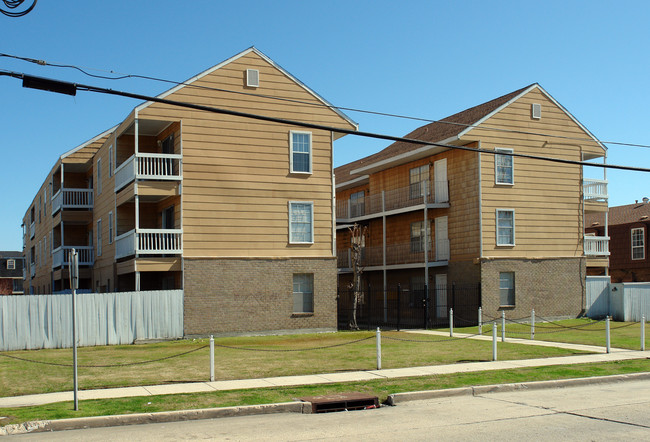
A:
(396, 255)
(395, 201)
(61, 256)
(149, 242)
(148, 166)
(596, 245)
(72, 199)
(595, 190)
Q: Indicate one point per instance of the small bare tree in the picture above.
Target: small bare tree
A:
(357, 237)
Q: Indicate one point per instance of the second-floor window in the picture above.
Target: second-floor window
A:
(300, 151)
(11, 264)
(301, 222)
(418, 236)
(357, 204)
(99, 237)
(638, 243)
(504, 167)
(417, 181)
(110, 227)
(505, 227)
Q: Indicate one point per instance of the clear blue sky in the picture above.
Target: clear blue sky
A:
(421, 58)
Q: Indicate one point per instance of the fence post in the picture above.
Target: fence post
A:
(399, 305)
(378, 349)
(426, 306)
(451, 322)
(480, 321)
(607, 341)
(211, 358)
(494, 341)
(643, 333)
(503, 326)
(532, 325)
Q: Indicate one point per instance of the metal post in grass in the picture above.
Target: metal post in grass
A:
(480, 321)
(74, 285)
(399, 304)
(494, 341)
(643, 333)
(503, 326)
(451, 322)
(211, 358)
(378, 349)
(607, 337)
(532, 325)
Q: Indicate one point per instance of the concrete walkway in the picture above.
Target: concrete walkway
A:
(352, 376)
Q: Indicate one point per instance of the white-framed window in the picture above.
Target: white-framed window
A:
(418, 237)
(303, 293)
(301, 222)
(505, 227)
(504, 167)
(99, 176)
(99, 237)
(357, 204)
(300, 144)
(507, 289)
(11, 264)
(418, 177)
(638, 243)
(110, 227)
(110, 160)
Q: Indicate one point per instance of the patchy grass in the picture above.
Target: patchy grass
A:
(254, 357)
(380, 388)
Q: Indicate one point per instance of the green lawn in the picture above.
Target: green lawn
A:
(379, 388)
(255, 357)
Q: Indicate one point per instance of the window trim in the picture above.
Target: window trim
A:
(291, 152)
(633, 247)
(311, 221)
(513, 288)
(302, 293)
(496, 166)
(422, 171)
(496, 229)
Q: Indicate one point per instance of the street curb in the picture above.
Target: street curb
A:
(396, 398)
(150, 418)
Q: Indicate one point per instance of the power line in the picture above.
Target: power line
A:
(13, 4)
(121, 76)
(53, 85)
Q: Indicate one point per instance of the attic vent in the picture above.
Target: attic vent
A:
(536, 111)
(252, 78)
(644, 217)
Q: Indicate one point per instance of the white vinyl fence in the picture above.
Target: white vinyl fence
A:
(45, 321)
(627, 301)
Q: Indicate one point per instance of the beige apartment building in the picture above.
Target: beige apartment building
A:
(445, 215)
(236, 212)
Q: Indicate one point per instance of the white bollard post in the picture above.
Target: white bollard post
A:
(643, 333)
(480, 321)
(211, 358)
(494, 341)
(532, 325)
(503, 326)
(451, 322)
(607, 341)
(378, 349)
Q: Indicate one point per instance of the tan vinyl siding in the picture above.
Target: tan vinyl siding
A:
(546, 196)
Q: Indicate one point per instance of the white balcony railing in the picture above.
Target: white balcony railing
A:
(596, 245)
(437, 193)
(61, 256)
(72, 199)
(32, 230)
(595, 190)
(149, 242)
(148, 166)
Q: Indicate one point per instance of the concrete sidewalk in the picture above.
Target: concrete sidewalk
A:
(328, 378)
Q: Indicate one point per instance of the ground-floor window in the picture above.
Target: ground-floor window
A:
(303, 293)
(507, 288)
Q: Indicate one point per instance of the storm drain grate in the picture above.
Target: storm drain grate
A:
(341, 402)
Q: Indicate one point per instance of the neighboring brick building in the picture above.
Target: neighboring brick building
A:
(445, 216)
(627, 227)
(11, 273)
(235, 211)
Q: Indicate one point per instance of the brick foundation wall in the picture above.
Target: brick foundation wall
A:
(238, 296)
(553, 287)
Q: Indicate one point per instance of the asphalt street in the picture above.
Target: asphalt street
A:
(613, 411)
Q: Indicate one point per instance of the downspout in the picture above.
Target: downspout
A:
(333, 195)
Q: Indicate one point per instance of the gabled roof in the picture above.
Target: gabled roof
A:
(443, 131)
(630, 213)
(268, 60)
(87, 143)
